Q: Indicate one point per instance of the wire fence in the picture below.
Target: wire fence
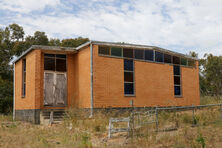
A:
(160, 119)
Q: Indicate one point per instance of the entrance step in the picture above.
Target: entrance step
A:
(51, 116)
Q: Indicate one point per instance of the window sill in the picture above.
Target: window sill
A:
(178, 96)
(129, 95)
(23, 97)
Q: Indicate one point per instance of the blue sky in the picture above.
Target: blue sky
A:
(178, 25)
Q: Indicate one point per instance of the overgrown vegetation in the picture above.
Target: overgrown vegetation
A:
(78, 130)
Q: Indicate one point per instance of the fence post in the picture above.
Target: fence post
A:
(110, 127)
(157, 123)
(132, 118)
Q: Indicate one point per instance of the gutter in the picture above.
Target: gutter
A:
(14, 92)
(91, 76)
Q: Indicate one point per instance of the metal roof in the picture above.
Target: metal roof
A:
(53, 48)
(118, 44)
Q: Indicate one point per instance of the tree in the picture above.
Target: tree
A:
(212, 74)
(74, 42)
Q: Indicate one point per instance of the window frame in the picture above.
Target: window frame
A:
(24, 69)
(126, 82)
(178, 85)
(55, 59)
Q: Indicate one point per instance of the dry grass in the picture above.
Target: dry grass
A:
(78, 131)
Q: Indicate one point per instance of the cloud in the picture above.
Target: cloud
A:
(173, 24)
(26, 6)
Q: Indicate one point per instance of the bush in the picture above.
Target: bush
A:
(6, 105)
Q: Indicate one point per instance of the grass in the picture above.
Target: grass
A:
(77, 130)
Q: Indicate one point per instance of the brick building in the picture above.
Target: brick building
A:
(102, 75)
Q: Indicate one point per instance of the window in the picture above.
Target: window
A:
(177, 80)
(23, 77)
(183, 61)
(128, 77)
(158, 56)
(54, 62)
(139, 54)
(104, 50)
(176, 60)
(167, 58)
(116, 51)
(127, 53)
(149, 55)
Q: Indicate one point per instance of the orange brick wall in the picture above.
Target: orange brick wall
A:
(28, 102)
(82, 78)
(154, 84)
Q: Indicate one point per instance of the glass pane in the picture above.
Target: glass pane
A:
(149, 55)
(49, 55)
(128, 53)
(61, 56)
(61, 65)
(128, 88)
(176, 70)
(139, 54)
(128, 76)
(167, 58)
(116, 51)
(128, 65)
(158, 56)
(183, 61)
(177, 91)
(49, 64)
(176, 60)
(103, 50)
(191, 63)
(177, 80)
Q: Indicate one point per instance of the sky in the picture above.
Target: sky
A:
(177, 25)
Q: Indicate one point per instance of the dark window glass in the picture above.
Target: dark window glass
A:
(158, 56)
(23, 77)
(116, 51)
(176, 70)
(177, 80)
(49, 64)
(128, 88)
(104, 50)
(61, 65)
(128, 76)
(128, 65)
(177, 90)
(167, 58)
(149, 55)
(183, 61)
(176, 60)
(61, 56)
(49, 55)
(191, 63)
(128, 53)
(139, 54)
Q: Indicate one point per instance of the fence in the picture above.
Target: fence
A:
(163, 115)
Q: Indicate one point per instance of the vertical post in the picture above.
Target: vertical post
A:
(14, 92)
(51, 118)
(157, 123)
(110, 127)
(132, 117)
(91, 79)
(193, 115)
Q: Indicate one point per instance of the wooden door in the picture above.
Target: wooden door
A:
(55, 89)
